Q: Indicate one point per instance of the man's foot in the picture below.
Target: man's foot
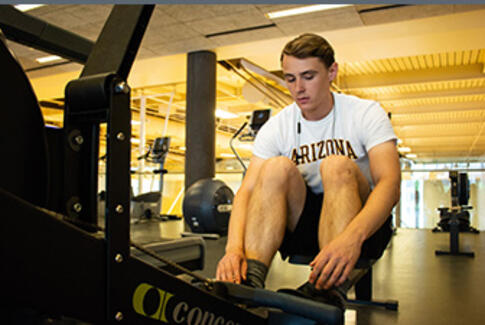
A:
(251, 284)
(256, 274)
(330, 297)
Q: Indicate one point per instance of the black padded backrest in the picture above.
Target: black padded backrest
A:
(23, 166)
(463, 189)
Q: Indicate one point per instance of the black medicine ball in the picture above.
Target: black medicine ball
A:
(207, 206)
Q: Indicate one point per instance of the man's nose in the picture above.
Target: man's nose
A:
(300, 86)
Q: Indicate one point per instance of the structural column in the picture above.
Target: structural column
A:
(200, 127)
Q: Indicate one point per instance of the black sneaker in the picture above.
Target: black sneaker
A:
(251, 284)
(330, 297)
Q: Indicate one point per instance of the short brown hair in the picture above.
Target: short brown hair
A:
(310, 45)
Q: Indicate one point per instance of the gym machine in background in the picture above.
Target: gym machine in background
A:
(69, 267)
(149, 205)
(258, 118)
(456, 219)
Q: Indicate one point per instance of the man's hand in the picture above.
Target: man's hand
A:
(333, 264)
(232, 267)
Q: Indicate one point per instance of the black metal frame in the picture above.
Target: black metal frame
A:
(31, 31)
(63, 270)
(453, 215)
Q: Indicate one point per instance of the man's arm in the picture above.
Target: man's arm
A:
(342, 253)
(386, 173)
(233, 265)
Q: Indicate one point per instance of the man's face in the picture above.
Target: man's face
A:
(308, 81)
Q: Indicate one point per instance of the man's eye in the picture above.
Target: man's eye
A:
(308, 77)
(290, 79)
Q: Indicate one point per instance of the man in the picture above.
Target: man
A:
(322, 181)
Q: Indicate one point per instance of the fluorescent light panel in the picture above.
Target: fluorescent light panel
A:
(49, 58)
(27, 7)
(220, 113)
(411, 155)
(302, 10)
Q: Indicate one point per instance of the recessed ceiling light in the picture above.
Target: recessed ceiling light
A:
(27, 7)
(49, 58)
(303, 10)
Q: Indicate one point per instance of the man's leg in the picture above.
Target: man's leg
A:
(275, 204)
(345, 190)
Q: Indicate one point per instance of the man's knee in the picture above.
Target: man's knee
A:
(339, 170)
(277, 171)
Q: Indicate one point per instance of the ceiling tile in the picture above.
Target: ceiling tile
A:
(161, 18)
(186, 13)
(169, 33)
(63, 19)
(182, 46)
(241, 37)
(90, 13)
(245, 19)
(230, 9)
(91, 30)
(404, 13)
(40, 11)
(270, 8)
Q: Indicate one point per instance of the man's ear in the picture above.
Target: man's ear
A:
(332, 71)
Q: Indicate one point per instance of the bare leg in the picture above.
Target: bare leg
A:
(276, 203)
(345, 190)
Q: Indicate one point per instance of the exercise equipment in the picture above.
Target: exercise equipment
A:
(207, 207)
(456, 219)
(258, 118)
(70, 267)
(149, 205)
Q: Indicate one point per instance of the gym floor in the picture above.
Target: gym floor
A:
(430, 289)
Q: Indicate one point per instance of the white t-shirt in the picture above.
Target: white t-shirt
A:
(352, 128)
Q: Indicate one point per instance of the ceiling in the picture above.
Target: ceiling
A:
(423, 63)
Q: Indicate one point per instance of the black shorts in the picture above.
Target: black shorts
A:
(304, 240)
